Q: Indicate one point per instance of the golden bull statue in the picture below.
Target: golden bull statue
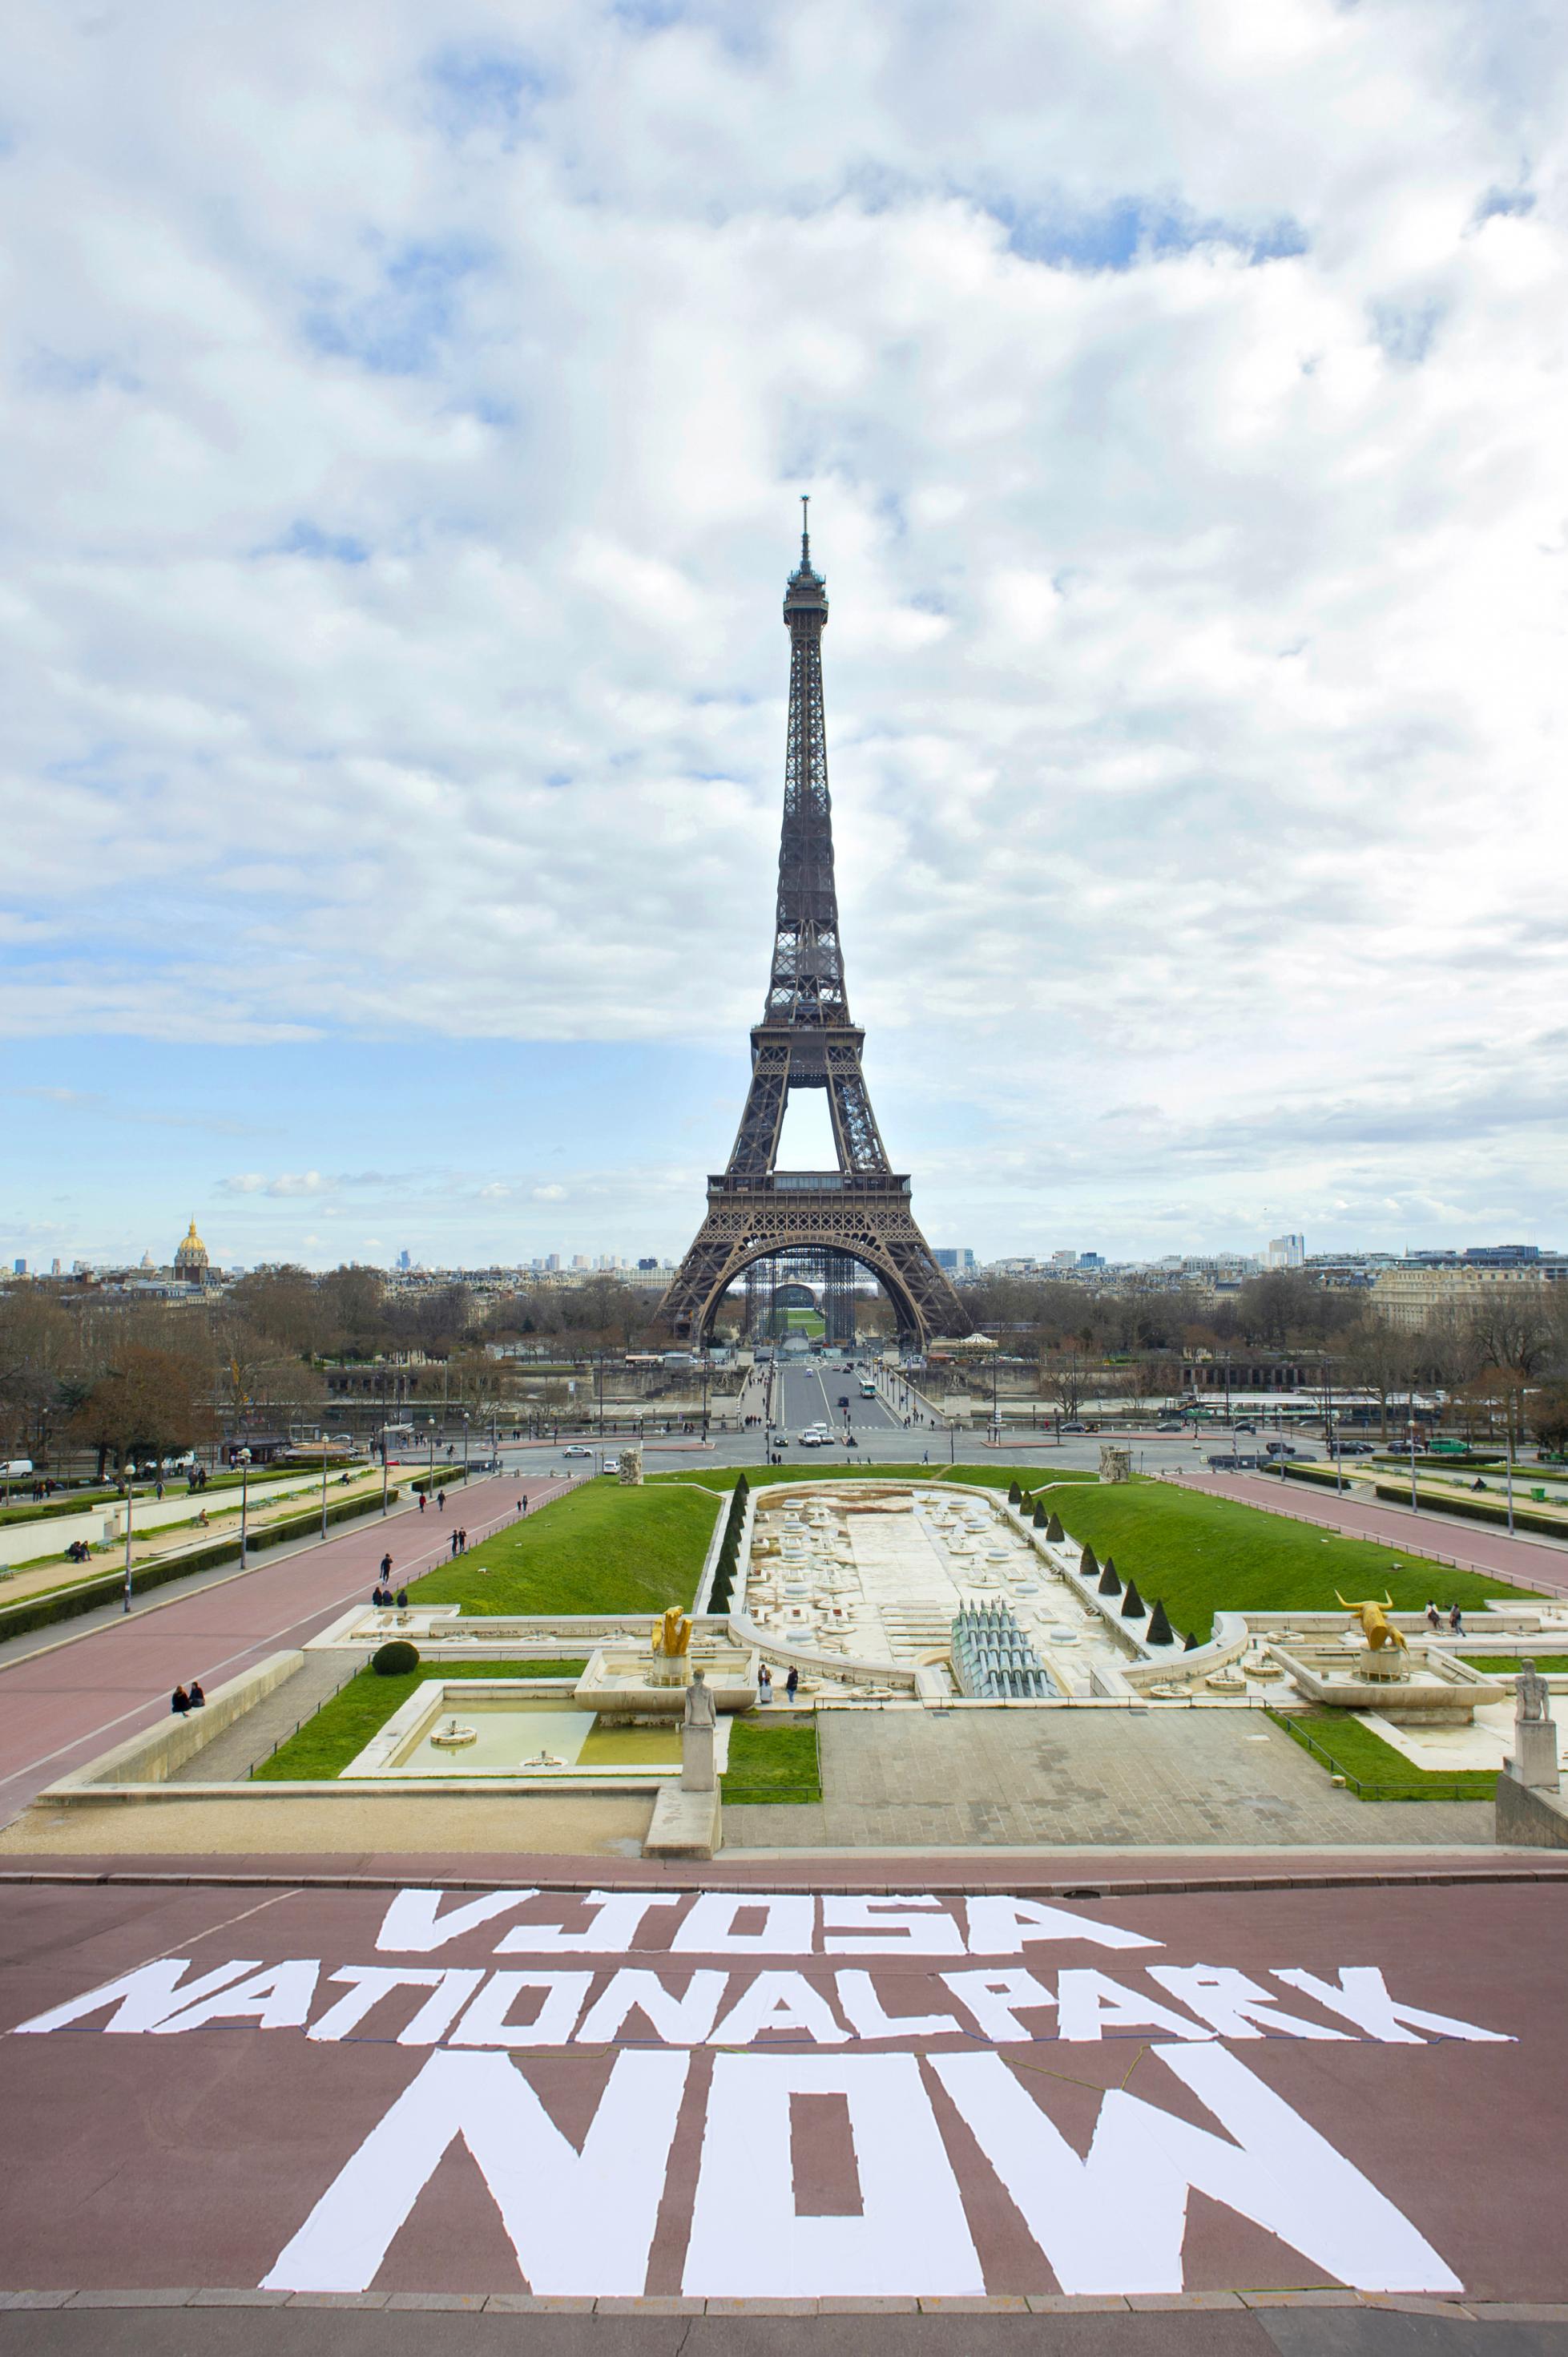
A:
(1376, 1626)
(673, 1634)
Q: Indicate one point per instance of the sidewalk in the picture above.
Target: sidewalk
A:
(67, 1697)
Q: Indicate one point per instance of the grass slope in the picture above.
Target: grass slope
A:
(599, 1549)
(771, 1762)
(1204, 1555)
(346, 1721)
(1375, 1770)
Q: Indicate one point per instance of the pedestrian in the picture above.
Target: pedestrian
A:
(195, 1698)
(523, 1503)
(792, 1683)
(1433, 1617)
(764, 1685)
(179, 1702)
(1455, 1622)
(440, 1500)
(386, 1570)
(453, 1549)
(403, 1599)
(423, 1501)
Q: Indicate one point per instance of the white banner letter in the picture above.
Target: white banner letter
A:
(1279, 2173)
(580, 2222)
(748, 2240)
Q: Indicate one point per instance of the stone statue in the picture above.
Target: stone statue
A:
(629, 1469)
(1115, 1464)
(698, 1722)
(1376, 1626)
(673, 1634)
(699, 1710)
(1534, 1756)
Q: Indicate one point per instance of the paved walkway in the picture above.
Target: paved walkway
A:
(65, 1699)
(902, 1779)
(867, 2148)
(1533, 1562)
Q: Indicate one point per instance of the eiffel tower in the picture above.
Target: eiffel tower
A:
(806, 1040)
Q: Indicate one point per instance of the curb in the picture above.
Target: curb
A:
(508, 2303)
(787, 1886)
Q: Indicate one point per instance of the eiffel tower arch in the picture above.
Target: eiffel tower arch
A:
(806, 1039)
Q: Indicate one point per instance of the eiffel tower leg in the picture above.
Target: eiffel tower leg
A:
(877, 1230)
(757, 1139)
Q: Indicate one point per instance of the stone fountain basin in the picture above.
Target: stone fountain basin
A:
(1437, 1689)
(622, 1680)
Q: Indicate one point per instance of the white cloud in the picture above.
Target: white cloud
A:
(404, 427)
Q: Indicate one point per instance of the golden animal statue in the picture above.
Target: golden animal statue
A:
(1376, 1626)
(673, 1633)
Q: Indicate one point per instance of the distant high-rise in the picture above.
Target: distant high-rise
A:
(955, 1258)
(403, 1261)
(1286, 1251)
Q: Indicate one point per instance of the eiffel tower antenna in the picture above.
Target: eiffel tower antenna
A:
(807, 1041)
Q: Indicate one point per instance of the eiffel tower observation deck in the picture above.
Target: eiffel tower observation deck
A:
(806, 1039)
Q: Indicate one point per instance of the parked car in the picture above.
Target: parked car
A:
(1280, 1448)
(609, 1465)
(1244, 1427)
(1170, 1428)
(1073, 1427)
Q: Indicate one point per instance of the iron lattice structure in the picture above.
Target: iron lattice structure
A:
(806, 1039)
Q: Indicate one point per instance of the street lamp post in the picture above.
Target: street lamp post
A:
(323, 1482)
(465, 1448)
(130, 1493)
(244, 1503)
(385, 1507)
(1508, 1442)
(1414, 1502)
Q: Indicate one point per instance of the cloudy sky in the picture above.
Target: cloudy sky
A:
(403, 410)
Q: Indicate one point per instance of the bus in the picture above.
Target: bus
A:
(867, 1389)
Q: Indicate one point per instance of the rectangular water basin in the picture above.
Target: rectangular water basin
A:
(453, 1729)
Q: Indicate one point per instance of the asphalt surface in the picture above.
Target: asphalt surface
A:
(909, 2122)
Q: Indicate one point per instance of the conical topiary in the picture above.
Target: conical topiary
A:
(1109, 1584)
(1089, 1564)
(1189, 1643)
(1039, 1516)
(1014, 1495)
(1053, 1531)
(1159, 1630)
(1133, 1605)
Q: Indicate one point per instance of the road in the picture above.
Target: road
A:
(66, 1698)
(634, 2129)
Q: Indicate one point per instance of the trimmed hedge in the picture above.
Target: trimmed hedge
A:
(85, 1596)
(729, 1548)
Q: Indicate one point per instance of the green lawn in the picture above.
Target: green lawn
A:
(347, 1720)
(771, 1762)
(599, 1549)
(1204, 1555)
(1509, 1666)
(1359, 1752)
